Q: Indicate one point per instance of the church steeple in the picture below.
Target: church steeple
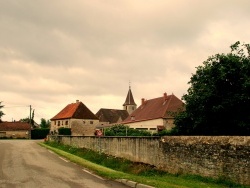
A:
(129, 104)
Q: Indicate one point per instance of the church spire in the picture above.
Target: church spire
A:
(129, 104)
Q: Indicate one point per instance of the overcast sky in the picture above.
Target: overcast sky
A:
(53, 52)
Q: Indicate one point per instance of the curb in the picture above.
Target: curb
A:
(133, 184)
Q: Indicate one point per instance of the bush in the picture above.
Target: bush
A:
(39, 133)
(166, 132)
(64, 131)
(124, 130)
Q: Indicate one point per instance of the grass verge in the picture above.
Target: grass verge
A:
(117, 168)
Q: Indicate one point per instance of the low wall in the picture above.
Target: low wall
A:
(219, 156)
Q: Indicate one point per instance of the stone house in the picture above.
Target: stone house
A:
(15, 130)
(109, 117)
(77, 117)
(155, 114)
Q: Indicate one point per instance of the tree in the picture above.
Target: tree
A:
(29, 120)
(1, 113)
(218, 100)
(44, 123)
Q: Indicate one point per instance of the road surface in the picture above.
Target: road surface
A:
(26, 164)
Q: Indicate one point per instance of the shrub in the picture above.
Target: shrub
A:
(124, 130)
(39, 133)
(64, 131)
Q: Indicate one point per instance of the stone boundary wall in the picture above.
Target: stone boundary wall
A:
(211, 156)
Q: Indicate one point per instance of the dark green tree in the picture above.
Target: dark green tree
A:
(44, 123)
(1, 112)
(218, 100)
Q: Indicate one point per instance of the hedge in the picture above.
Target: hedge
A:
(64, 131)
(39, 133)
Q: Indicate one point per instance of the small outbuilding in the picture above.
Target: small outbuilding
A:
(15, 130)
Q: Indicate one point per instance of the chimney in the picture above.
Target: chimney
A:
(142, 101)
(77, 101)
(165, 96)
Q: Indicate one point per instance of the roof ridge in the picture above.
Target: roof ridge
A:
(77, 106)
(170, 98)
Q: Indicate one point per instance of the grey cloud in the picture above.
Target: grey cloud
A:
(57, 50)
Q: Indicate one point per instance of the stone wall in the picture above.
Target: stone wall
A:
(222, 156)
(215, 157)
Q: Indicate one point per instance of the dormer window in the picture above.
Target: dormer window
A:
(132, 118)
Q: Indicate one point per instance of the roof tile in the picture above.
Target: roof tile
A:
(14, 126)
(75, 110)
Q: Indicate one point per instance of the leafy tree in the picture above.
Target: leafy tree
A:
(44, 123)
(218, 100)
(28, 120)
(1, 113)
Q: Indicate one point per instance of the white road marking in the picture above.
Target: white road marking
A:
(99, 177)
(64, 159)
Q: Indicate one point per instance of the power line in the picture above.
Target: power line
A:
(16, 106)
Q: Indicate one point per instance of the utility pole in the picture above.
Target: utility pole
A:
(30, 114)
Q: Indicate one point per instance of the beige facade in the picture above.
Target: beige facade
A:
(152, 125)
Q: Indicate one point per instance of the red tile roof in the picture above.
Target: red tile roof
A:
(75, 110)
(14, 126)
(155, 108)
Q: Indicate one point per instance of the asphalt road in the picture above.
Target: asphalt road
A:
(26, 164)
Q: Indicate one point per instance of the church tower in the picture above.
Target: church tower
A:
(129, 104)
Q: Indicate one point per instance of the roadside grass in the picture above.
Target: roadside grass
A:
(117, 168)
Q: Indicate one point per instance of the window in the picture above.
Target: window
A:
(91, 122)
(66, 123)
(58, 123)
